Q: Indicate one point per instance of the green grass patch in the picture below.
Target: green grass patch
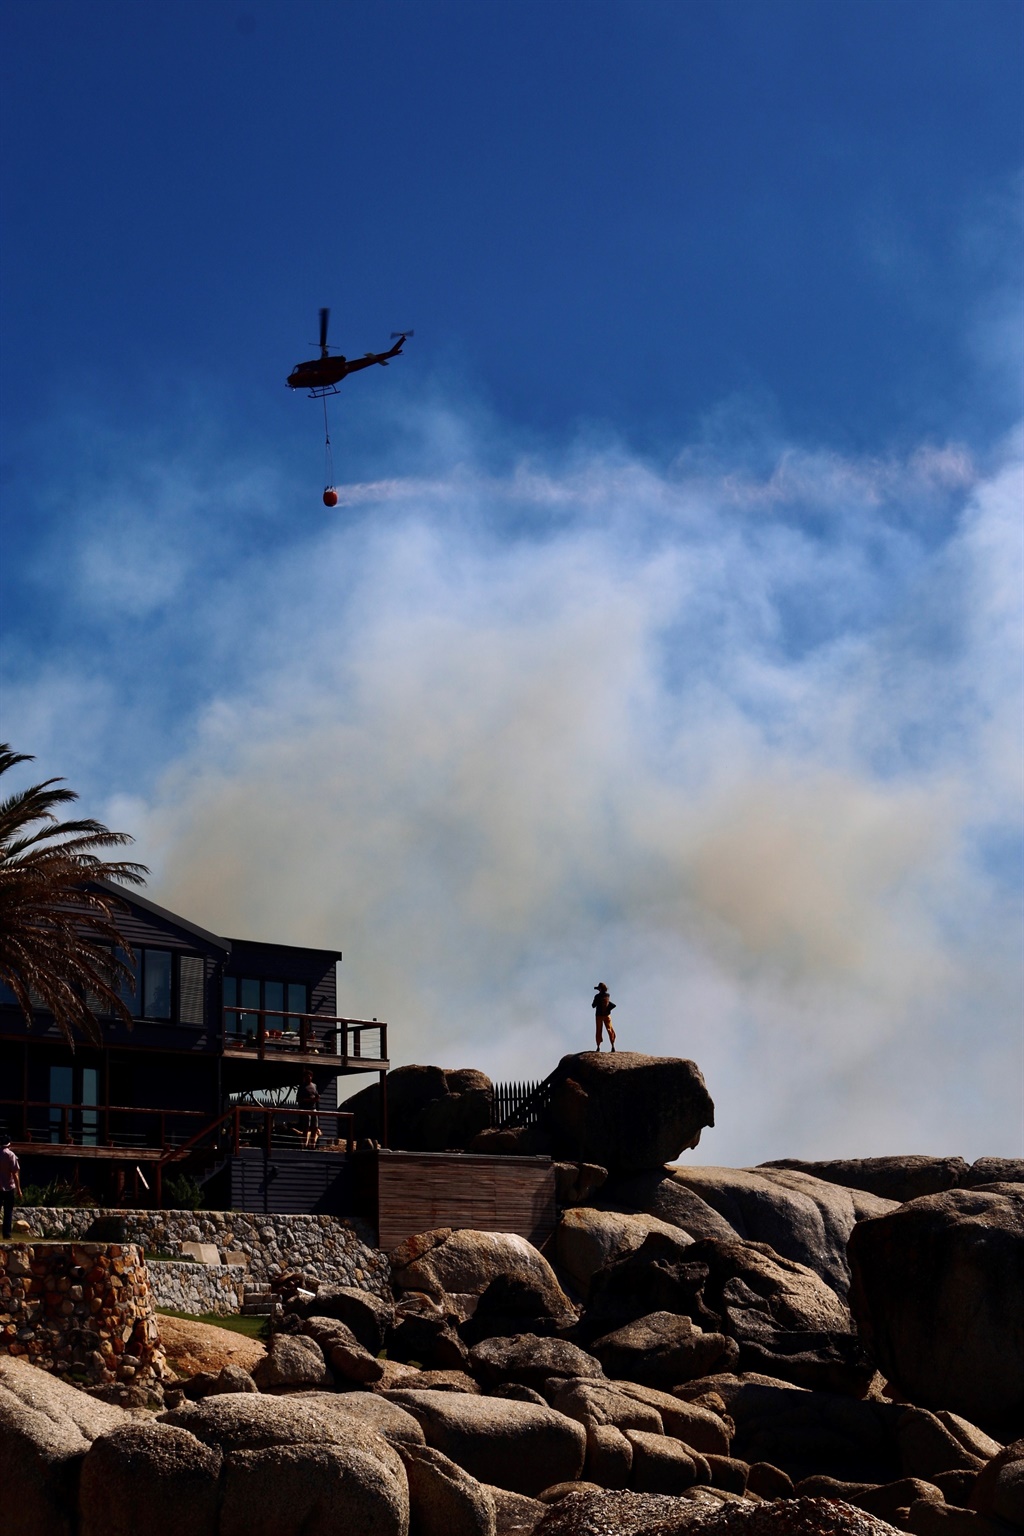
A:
(233, 1322)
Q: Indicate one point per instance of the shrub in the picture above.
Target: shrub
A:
(183, 1194)
(57, 1192)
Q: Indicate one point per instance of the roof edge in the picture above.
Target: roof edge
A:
(306, 949)
(126, 893)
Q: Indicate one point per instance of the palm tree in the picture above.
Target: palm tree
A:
(60, 945)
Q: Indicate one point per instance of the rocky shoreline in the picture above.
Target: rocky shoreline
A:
(784, 1349)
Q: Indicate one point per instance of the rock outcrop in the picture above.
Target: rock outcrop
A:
(783, 1317)
(294, 1464)
(657, 1192)
(893, 1178)
(625, 1111)
(587, 1239)
(531, 1361)
(938, 1294)
(46, 1427)
(799, 1216)
(368, 1316)
(430, 1109)
(292, 1365)
(663, 1350)
(142, 1477)
(467, 1262)
(519, 1446)
(512, 1305)
(443, 1499)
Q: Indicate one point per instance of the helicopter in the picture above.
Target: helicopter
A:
(322, 375)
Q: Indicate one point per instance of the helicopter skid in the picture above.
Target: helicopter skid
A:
(323, 390)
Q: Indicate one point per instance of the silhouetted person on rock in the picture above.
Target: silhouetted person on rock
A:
(602, 1006)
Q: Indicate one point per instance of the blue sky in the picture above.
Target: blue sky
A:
(667, 632)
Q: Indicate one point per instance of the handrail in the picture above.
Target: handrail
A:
(98, 1109)
(171, 1154)
(92, 1124)
(314, 1018)
(174, 1154)
(172, 1151)
(312, 1026)
(237, 1111)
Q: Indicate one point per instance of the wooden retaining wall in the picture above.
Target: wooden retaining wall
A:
(418, 1191)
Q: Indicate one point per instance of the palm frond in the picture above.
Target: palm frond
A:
(61, 946)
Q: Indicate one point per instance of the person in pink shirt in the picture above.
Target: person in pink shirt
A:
(10, 1181)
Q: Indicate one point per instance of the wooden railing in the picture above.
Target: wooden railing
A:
(271, 1031)
(89, 1125)
(70, 1126)
(303, 1128)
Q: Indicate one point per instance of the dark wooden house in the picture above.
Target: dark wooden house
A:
(203, 1083)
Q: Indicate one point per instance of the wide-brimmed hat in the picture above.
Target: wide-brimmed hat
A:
(600, 987)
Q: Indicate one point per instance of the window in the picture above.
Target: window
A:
(156, 984)
(279, 1002)
(152, 996)
(71, 1086)
(273, 996)
(163, 989)
(89, 1097)
(62, 1092)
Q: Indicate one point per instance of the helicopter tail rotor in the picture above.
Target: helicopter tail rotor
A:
(325, 315)
(403, 334)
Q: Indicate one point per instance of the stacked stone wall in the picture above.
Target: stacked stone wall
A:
(80, 1310)
(197, 1288)
(251, 1247)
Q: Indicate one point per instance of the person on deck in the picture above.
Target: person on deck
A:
(10, 1181)
(308, 1099)
(602, 1006)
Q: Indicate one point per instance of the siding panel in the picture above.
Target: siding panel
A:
(291, 1183)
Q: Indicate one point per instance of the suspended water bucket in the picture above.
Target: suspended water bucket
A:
(330, 496)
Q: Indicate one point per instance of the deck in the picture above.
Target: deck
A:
(344, 1045)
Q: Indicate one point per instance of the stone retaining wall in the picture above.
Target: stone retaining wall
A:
(83, 1310)
(321, 1247)
(197, 1288)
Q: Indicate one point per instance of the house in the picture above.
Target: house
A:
(203, 1083)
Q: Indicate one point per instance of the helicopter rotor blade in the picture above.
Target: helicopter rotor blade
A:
(325, 315)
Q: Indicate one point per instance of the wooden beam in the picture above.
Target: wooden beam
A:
(97, 1154)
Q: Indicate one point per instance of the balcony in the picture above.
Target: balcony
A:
(44, 1128)
(345, 1045)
